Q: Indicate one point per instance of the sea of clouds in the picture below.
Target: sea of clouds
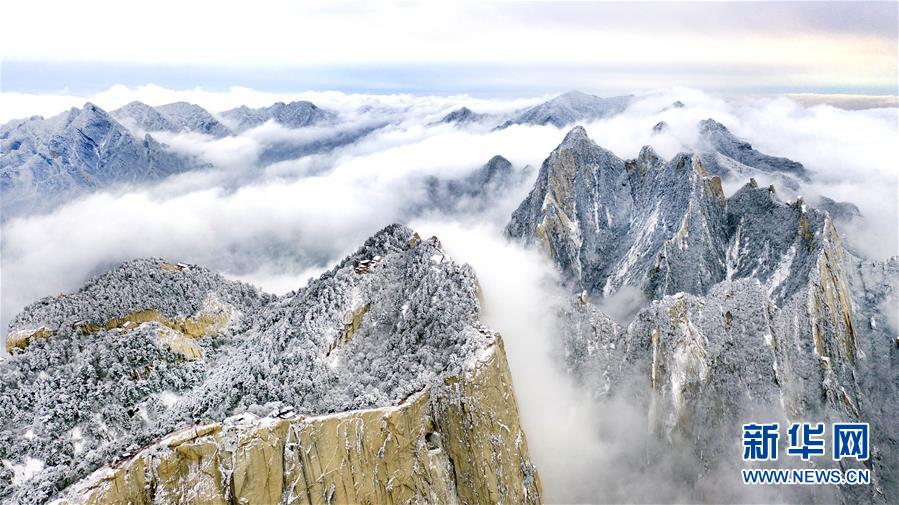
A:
(277, 225)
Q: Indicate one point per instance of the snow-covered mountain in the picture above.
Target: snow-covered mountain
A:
(462, 115)
(291, 115)
(479, 189)
(192, 388)
(165, 382)
(44, 161)
(728, 156)
(174, 117)
(569, 108)
(756, 308)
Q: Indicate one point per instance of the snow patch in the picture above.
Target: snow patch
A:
(24, 471)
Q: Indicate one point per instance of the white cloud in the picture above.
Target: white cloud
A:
(302, 214)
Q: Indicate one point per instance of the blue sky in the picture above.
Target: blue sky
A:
(488, 49)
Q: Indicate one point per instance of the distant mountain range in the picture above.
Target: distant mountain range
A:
(379, 377)
(290, 115)
(175, 117)
(569, 108)
(563, 110)
(45, 161)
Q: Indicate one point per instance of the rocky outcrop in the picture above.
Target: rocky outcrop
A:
(608, 223)
(374, 384)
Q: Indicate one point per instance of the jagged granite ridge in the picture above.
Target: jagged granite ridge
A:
(753, 314)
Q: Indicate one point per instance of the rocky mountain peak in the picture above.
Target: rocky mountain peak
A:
(751, 297)
(661, 226)
(476, 190)
(727, 155)
(648, 157)
(497, 166)
(45, 161)
(575, 136)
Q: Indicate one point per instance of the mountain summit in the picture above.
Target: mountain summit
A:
(569, 108)
(754, 306)
(174, 117)
(723, 153)
(43, 161)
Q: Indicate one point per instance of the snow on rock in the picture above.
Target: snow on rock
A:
(757, 310)
(383, 378)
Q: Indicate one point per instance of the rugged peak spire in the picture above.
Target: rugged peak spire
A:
(577, 134)
(648, 154)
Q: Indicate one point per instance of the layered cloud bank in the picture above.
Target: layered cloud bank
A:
(278, 223)
(298, 215)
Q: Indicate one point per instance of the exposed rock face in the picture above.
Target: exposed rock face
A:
(291, 115)
(374, 384)
(45, 160)
(609, 223)
(754, 315)
(569, 108)
(428, 449)
(174, 117)
(463, 115)
(665, 227)
(874, 287)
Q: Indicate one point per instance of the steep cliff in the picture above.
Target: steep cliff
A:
(373, 384)
(755, 311)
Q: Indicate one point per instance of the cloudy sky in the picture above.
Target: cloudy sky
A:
(442, 47)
